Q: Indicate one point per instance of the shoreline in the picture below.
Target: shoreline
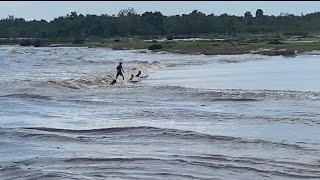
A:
(286, 47)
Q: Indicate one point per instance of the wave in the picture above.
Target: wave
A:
(104, 80)
(224, 164)
(87, 159)
(268, 166)
(39, 136)
(66, 84)
(155, 132)
(27, 96)
(314, 52)
(233, 99)
(239, 94)
(221, 163)
(102, 130)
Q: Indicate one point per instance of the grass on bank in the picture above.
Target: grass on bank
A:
(208, 47)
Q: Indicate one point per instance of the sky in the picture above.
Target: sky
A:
(48, 10)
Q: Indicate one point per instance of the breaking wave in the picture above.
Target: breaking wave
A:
(104, 80)
(239, 94)
(152, 132)
(27, 96)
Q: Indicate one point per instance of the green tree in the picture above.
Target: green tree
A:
(259, 13)
(128, 22)
(248, 18)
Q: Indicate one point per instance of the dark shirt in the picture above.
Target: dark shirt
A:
(119, 68)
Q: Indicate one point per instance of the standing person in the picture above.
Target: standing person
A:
(120, 71)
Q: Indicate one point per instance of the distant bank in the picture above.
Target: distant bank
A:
(208, 45)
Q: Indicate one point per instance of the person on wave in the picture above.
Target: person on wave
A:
(120, 71)
(139, 75)
(131, 78)
(113, 82)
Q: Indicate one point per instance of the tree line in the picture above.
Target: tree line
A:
(129, 23)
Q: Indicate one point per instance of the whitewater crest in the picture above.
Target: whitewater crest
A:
(105, 79)
(239, 94)
(27, 96)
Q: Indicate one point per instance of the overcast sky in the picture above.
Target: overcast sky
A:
(50, 9)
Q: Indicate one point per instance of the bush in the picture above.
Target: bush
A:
(275, 41)
(78, 40)
(26, 42)
(295, 34)
(37, 43)
(155, 47)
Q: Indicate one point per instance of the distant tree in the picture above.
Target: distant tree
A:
(247, 14)
(248, 18)
(259, 13)
(10, 17)
(153, 22)
(127, 23)
(126, 12)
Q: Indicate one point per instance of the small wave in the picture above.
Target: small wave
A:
(234, 99)
(102, 130)
(27, 96)
(10, 168)
(87, 159)
(67, 84)
(151, 132)
(39, 136)
(87, 61)
(147, 130)
(239, 94)
(237, 165)
(314, 52)
(179, 176)
(251, 161)
(262, 171)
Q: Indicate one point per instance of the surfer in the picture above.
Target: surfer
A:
(113, 82)
(131, 78)
(120, 71)
(139, 75)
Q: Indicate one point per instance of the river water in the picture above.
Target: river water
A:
(194, 117)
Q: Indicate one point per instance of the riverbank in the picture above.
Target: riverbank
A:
(228, 46)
